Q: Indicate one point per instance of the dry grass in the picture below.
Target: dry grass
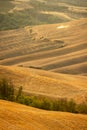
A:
(47, 46)
(39, 46)
(51, 48)
(18, 117)
(76, 69)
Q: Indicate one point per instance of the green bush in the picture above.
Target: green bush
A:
(63, 105)
(82, 108)
(24, 100)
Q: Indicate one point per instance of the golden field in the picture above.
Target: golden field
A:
(48, 84)
(19, 117)
(56, 47)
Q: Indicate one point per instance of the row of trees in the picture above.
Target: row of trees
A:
(7, 92)
(53, 105)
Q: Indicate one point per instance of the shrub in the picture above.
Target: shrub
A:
(46, 104)
(63, 105)
(82, 108)
(71, 106)
(36, 102)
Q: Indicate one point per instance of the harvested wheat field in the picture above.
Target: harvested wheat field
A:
(14, 116)
(49, 47)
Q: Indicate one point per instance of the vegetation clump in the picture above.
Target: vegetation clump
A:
(6, 90)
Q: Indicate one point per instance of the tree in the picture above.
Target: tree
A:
(6, 90)
(19, 93)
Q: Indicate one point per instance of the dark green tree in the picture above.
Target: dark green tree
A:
(6, 90)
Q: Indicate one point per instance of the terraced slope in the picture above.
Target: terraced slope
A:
(45, 83)
(57, 47)
(20, 117)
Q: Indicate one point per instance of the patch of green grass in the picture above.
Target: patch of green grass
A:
(25, 18)
(73, 2)
(5, 6)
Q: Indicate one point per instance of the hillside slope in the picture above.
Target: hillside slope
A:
(20, 117)
(49, 47)
(45, 83)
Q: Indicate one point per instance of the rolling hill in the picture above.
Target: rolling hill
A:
(47, 84)
(31, 55)
(57, 47)
(20, 117)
